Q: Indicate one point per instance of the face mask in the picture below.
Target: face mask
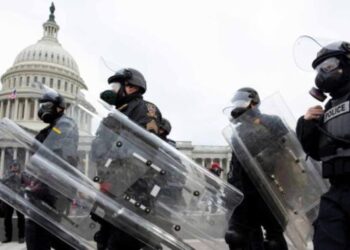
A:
(47, 112)
(109, 96)
(238, 112)
(330, 75)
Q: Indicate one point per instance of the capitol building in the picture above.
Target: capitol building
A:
(48, 63)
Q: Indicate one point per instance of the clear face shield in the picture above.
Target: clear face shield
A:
(115, 86)
(305, 51)
(238, 105)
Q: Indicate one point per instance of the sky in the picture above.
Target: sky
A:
(194, 54)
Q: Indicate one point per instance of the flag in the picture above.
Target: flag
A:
(13, 94)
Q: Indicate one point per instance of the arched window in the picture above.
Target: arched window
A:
(59, 84)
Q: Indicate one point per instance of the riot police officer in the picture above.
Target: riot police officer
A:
(245, 226)
(325, 136)
(126, 94)
(14, 180)
(164, 131)
(61, 136)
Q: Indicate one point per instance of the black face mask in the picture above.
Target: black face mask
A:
(48, 112)
(238, 112)
(335, 81)
(118, 99)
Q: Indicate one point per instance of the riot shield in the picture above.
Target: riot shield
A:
(273, 158)
(145, 187)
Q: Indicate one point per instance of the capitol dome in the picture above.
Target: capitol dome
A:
(48, 56)
(43, 63)
(47, 51)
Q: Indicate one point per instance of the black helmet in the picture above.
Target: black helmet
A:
(165, 125)
(332, 50)
(54, 97)
(241, 102)
(130, 75)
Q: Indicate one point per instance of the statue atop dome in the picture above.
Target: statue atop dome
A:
(52, 11)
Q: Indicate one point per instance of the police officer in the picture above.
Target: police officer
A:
(325, 135)
(126, 94)
(61, 136)
(164, 131)
(245, 225)
(13, 179)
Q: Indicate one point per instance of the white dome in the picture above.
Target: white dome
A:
(47, 51)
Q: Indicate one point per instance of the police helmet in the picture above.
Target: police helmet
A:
(54, 97)
(332, 50)
(165, 125)
(250, 93)
(132, 76)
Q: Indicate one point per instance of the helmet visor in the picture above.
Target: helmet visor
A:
(328, 65)
(240, 100)
(46, 105)
(305, 51)
(115, 86)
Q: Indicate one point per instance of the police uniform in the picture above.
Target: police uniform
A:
(146, 115)
(61, 137)
(332, 227)
(327, 139)
(245, 225)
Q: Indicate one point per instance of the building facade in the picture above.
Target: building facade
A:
(48, 63)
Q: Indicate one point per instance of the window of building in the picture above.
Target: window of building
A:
(51, 82)
(28, 80)
(35, 79)
(71, 88)
(65, 86)
(20, 81)
(59, 84)
(43, 80)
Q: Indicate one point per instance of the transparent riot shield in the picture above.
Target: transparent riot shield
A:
(273, 158)
(66, 217)
(142, 185)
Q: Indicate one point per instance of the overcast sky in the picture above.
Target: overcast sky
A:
(193, 54)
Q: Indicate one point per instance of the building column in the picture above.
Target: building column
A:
(1, 107)
(2, 161)
(8, 109)
(15, 114)
(15, 151)
(26, 158)
(222, 165)
(26, 109)
(36, 105)
(87, 163)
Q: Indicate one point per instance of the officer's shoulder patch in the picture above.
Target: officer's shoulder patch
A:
(56, 130)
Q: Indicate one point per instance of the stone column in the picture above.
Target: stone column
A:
(87, 163)
(2, 161)
(8, 109)
(36, 105)
(27, 158)
(1, 107)
(15, 150)
(15, 114)
(26, 109)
